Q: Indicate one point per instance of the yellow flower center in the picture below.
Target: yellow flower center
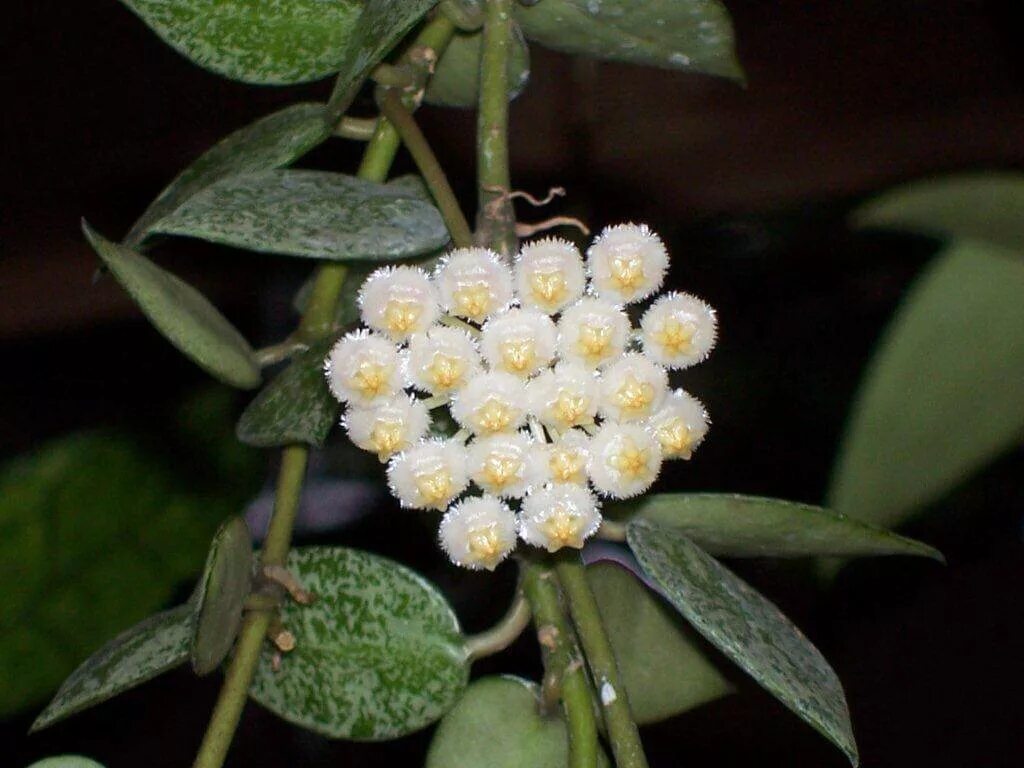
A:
(435, 488)
(675, 337)
(676, 439)
(387, 438)
(518, 355)
(630, 461)
(570, 408)
(402, 315)
(501, 469)
(549, 288)
(446, 372)
(494, 416)
(627, 271)
(370, 378)
(594, 342)
(485, 546)
(472, 301)
(634, 396)
(567, 465)
(562, 530)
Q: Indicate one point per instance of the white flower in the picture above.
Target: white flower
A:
(624, 460)
(478, 532)
(505, 464)
(680, 425)
(568, 457)
(491, 403)
(363, 369)
(549, 275)
(678, 330)
(632, 388)
(429, 475)
(592, 332)
(474, 283)
(559, 516)
(627, 263)
(389, 428)
(519, 341)
(399, 301)
(441, 360)
(565, 396)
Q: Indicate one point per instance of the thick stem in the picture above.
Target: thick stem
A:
(564, 670)
(496, 219)
(622, 730)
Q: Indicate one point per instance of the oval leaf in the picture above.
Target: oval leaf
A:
(748, 526)
(269, 42)
(693, 35)
(497, 724)
(181, 314)
(220, 596)
(295, 407)
(66, 761)
(659, 657)
(273, 141)
(378, 654)
(151, 647)
(986, 207)
(311, 214)
(944, 393)
(747, 628)
(456, 82)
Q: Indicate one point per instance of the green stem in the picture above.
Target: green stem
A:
(501, 635)
(496, 218)
(564, 670)
(622, 730)
(437, 182)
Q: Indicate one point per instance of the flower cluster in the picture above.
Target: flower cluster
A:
(559, 400)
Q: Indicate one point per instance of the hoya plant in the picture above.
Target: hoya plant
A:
(522, 392)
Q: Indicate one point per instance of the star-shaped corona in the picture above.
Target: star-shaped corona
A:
(555, 400)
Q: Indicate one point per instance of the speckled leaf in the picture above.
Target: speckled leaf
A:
(295, 407)
(497, 724)
(269, 42)
(220, 595)
(146, 650)
(181, 314)
(747, 628)
(311, 214)
(378, 655)
(273, 141)
(381, 25)
(660, 658)
(748, 526)
(693, 35)
(66, 761)
(986, 207)
(456, 82)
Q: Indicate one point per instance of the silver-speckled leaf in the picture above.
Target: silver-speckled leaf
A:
(747, 628)
(456, 82)
(663, 667)
(295, 407)
(181, 314)
(748, 526)
(497, 724)
(311, 214)
(378, 655)
(269, 42)
(66, 761)
(273, 141)
(693, 35)
(148, 649)
(220, 595)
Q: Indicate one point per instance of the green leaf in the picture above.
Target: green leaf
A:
(295, 407)
(378, 655)
(497, 724)
(268, 42)
(220, 596)
(748, 526)
(181, 314)
(693, 35)
(146, 650)
(986, 207)
(456, 82)
(660, 660)
(747, 628)
(944, 392)
(311, 214)
(273, 141)
(66, 761)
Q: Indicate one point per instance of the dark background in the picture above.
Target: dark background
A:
(749, 187)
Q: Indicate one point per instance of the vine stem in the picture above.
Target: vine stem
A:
(622, 731)
(501, 635)
(565, 676)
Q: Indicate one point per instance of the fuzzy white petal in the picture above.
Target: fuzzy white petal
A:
(679, 330)
(506, 465)
(565, 396)
(559, 516)
(625, 460)
(441, 360)
(478, 532)
(592, 332)
(363, 369)
(549, 275)
(399, 301)
(680, 425)
(568, 458)
(627, 263)
(429, 475)
(389, 428)
(519, 341)
(474, 283)
(632, 388)
(491, 403)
